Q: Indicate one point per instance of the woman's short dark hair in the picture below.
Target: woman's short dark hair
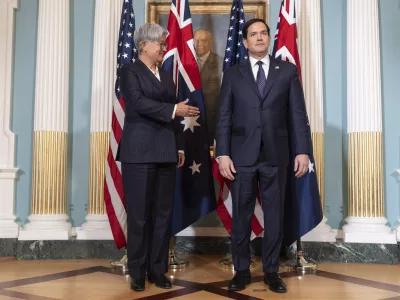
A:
(251, 22)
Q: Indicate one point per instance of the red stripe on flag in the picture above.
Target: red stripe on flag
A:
(116, 229)
(223, 213)
(215, 169)
(116, 176)
(122, 103)
(256, 227)
(288, 6)
(117, 129)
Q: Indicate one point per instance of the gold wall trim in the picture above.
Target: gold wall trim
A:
(49, 173)
(99, 145)
(366, 197)
(318, 150)
(154, 9)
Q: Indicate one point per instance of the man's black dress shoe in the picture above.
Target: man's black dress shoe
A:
(160, 281)
(239, 281)
(275, 283)
(137, 285)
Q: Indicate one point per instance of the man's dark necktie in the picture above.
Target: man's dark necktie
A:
(261, 80)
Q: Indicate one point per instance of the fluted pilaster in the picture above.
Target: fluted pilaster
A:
(8, 173)
(48, 219)
(310, 51)
(107, 18)
(366, 221)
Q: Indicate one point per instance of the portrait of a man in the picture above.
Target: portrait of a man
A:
(210, 66)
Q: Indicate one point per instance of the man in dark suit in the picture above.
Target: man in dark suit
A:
(148, 151)
(261, 106)
(210, 67)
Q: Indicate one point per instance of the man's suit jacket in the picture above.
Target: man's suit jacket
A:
(149, 134)
(210, 76)
(245, 118)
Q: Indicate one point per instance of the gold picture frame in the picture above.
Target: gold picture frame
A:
(155, 8)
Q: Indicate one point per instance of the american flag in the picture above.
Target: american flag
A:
(235, 53)
(195, 194)
(113, 192)
(303, 210)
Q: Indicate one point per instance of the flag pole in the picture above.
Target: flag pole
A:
(175, 263)
(120, 266)
(226, 262)
(299, 264)
(115, 201)
(302, 265)
(287, 35)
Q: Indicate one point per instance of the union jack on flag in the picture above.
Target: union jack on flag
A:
(195, 195)
(303, 211)
(285, 46)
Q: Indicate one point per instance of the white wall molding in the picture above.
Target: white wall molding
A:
(322, 233)
(368, 230)
(97, 227)
(8, 173)
(46, 227)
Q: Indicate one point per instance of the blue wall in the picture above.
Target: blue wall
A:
(334, 72)
(334, 63)
(390, 63)
(23, 100)
(81, 44)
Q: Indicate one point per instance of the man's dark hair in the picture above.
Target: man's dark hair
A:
(251, 22)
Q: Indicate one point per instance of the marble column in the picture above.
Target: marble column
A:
(48, 219)
(106, 29)
(366, 222)
(310, 51)
(8, 173)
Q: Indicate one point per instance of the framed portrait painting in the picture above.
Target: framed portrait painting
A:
(212, 16)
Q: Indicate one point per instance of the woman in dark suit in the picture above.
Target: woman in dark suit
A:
(150, 150)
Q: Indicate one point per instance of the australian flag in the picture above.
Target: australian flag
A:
(195, 195)
(303, 210)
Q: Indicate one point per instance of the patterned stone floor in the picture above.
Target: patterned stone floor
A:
(203, 279)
